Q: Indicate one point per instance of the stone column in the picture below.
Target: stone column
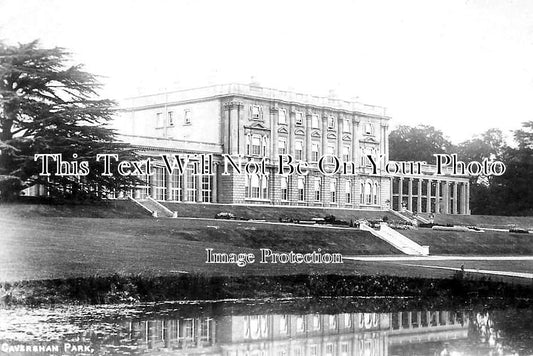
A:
(400, 194)
(462, 201)
(227, 128)
(214, 184)
(324, 134)
(410, 195)
(446, 198)
(308, 140)
(340, 126)
(392, 179)
(419, 199)
(467, 197)
(386, 153)
(292, 138)
(428, 197)
(168, 196)
(274, 117)
(454, 206)
(355, 140)
(437, 197)
(184, 187)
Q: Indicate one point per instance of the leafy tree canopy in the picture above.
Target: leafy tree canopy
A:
(49, 106)
(418, 143)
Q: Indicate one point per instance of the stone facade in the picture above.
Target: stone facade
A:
(260, 124)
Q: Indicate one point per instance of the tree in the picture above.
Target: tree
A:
(513, 188)
(510, 193)
(417, 143)
(48, 106)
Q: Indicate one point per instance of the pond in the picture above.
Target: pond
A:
(280, 328)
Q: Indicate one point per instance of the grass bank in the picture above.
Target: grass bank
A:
(135, 288)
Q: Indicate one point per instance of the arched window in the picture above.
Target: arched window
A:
(333, 190)
(255, 185)
(284, 188)
(368, 193)
(348, 191)
(264, 186)
(301, 188)
(375, 193)
(248, 144)
(318, 185)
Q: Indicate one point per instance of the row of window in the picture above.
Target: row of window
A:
(178, 192)
(256, 187)
(256, 114)
(170, 120)
(256, 145)
(256, 326)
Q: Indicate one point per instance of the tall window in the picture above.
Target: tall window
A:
(299, 118)
(187, 116)
(206, 188)
(282, 117)
(284, 188)
(346, 127)
(247, 187)
(255, 186)
(301, 188)
(248, 144)
(331, 122)
(318, 186)
(158, 120)
(331, 153)
(333, 189)
(256, 112)
(191, 184)
(142, 190)
(264, 146)
(298, 148)
(369, 129)
(159, 183)
(368, 193)
(282, 146)
(375, 193)
(256, 145)
(346, 153)
(348, 190)
(170, 115)
(176, 186)
(362, 193)
(264, 187)
(315, 122)
(315, 152)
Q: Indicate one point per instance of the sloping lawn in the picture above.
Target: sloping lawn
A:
(472, 243)
(55, 247)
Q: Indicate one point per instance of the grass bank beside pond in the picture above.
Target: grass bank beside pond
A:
(136, 288)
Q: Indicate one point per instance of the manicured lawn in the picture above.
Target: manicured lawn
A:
(54, 247)
(472, 243)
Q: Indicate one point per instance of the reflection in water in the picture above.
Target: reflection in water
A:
(365, 334)
(208, 331)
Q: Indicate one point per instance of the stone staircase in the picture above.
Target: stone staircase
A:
(399, 241)
(409, 216)
(156, 209)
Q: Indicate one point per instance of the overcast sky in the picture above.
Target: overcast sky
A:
(462, 66)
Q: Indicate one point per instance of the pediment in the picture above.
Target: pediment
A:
(346, 138)
(299, 132)
(332, 136)
(257, 126)
(369, 140)
(315, 134)
(283, 130)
